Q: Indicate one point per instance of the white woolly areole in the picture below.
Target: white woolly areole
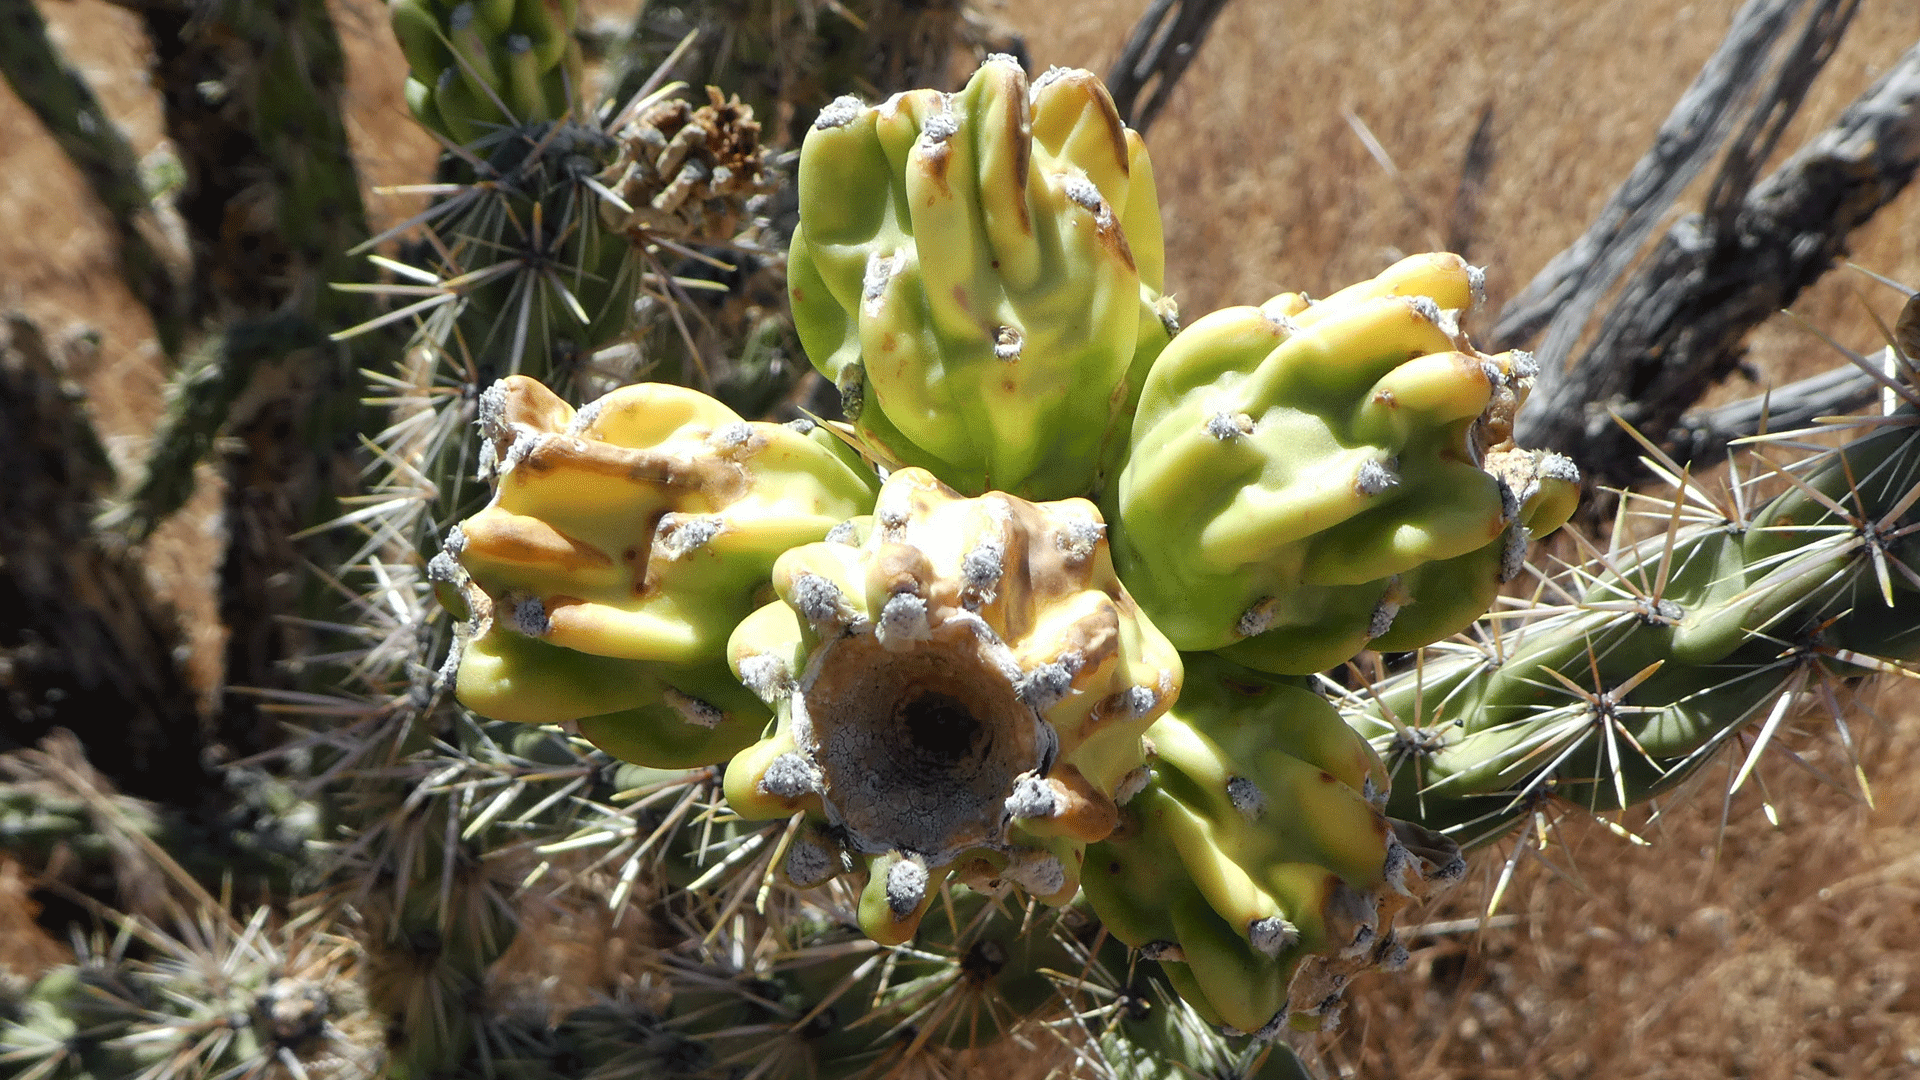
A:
(809, 864)
(1272, 934)
(1038, 872)
(1382, 618)
(840, 112)
(530, 617)
(880, 271)
(1053, 74)
(493, 413)
(524, 445)
(1032, 798)
(1133, 783)
(1006, 343)
(1084, 194)
(790, 776)
(903, 621)
(1224, 426)
(980, 571)
(1046, 684)
(1078, 539)
(818, 600)
(585, 418)
(942, 125)
(906, 887)
(1246, 797)
(1559, 467)
(680, 535)
(1257, 619)
(733, 436)
(1374, 477)
(767, 676)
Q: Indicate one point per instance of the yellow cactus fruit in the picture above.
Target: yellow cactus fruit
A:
(959, 685)
(623, 543)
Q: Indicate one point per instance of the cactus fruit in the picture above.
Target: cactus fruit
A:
(1663, 651)
(959, 685)
(979, 274)
(623, 543)
(484, 66)
(1307, 480)
(1252, 842)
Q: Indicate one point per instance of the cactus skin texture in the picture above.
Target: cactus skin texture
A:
(979, 273)
(959, 684)
(1252, 861)
(1666, 650)
(1308, 480)
(623, 543)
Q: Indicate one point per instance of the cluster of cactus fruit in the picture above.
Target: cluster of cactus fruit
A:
(1024, 619)
(998, 701)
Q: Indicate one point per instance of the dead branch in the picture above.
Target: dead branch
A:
(1157, 53)
(1565, 291)
(1702, 435)
(1680, 322)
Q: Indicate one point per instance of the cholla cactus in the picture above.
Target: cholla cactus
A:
(1631, 671)
(959, 684)
(881, 638)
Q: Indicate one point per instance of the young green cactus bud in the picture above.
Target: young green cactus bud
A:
(623, 543)
(979, 273)
(1252, 860)
(479, 65)
(959, 686)
(1307, 481)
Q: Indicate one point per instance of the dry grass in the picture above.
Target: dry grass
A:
(1794, 954)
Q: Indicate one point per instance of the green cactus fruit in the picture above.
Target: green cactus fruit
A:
(623, 543)
(959, 684)
(480, 66)
(1309, 480)
(1656, 655)
(1252, 860)
(979, 274)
